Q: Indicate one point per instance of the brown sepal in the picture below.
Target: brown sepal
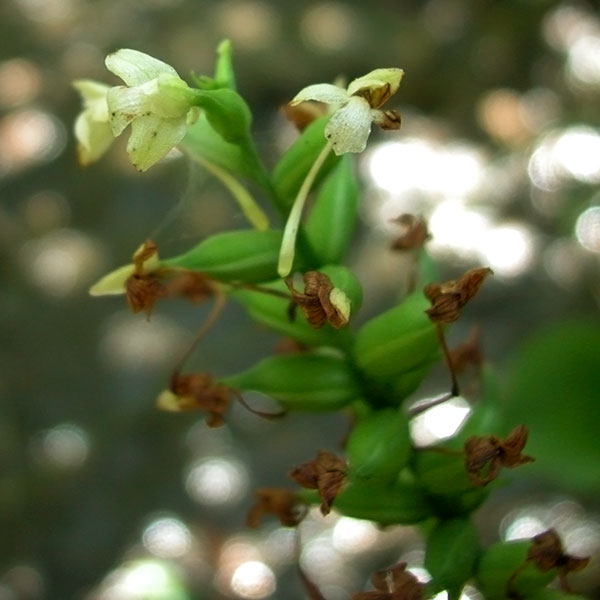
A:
(326, 473)
(395, 583)
(485, 455)
(280, 502)
(414, 233)
(448, 298)
(303, 114)
(142, 292)
(388, 120)
(199, 391)
(315, 302)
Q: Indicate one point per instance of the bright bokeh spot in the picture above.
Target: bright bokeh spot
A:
(439, 422)
(584, 60)
(251, 24)
(253, 579)
(20, 82)
(216, 481)
(65, 446)
(328, 26)
(577, 150)
(508, 249)
(167, 538)
(587, 229)
(352, 536)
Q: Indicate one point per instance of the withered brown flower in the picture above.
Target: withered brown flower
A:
(191, 285)
(395, 583)
(327, 474)
(197, 391)
(280, 502)
(414, 233)
(142, 289)
(448, 298)
(485, 455)
(317, 302)
(468, 353)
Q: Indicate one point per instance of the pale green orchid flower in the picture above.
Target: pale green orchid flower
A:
(359, 105)
(92, 128)
(155, 101)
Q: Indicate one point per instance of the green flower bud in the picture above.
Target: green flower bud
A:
(503, 572)
(308, 382)
(399, 340)
(400, 503)
(379, 446)
(452, 550)
(246, 255)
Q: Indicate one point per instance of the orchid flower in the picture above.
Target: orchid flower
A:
(359, 105)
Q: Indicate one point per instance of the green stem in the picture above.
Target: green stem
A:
(288, 244)
(252, 211)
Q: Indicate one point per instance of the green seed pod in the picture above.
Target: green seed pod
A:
(308, 382)
(400, 503)
(451, 554)
(245, 255)
(379, 446)
(504, 572)
(332, 219)
(294, 165)
(399, 340)
(444, 478)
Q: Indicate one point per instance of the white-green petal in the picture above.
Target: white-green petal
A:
(113, 283)
(376, 79)
(93, 137)
(93, 94)
(135, 67)
(126, 104)
(152, 138)
(321, 92)
(349, 127)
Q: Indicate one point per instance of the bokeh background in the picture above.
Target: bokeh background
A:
(104, 498)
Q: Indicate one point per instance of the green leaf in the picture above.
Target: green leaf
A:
(399, 340)
(332, 219)
(307, 382)
(379, 445)
(246, 255)
(554, 389)
(451, 553)
(401, 503)
(292, 168)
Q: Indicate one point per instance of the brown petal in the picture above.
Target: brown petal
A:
(280, 502)
(388, 120)
(414, 233)
(513, 446)
(142, 292)
(199, 391)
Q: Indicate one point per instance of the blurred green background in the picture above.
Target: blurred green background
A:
(104, 498)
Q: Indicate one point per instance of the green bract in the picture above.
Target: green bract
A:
(379, 445)
(311, 382)
(245, 255)
(398, 341)
(452, 549)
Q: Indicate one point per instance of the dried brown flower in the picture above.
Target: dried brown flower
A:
(388, 120)
(395, 583)
(327, 473)
(414, 233)
(197, 391)
(194, 286)
(448, 298)
(280, 502)
(317, 303)
(143, 289)
(485, 455)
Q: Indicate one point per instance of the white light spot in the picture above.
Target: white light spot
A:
(524, 527)
(439, 422)
(542, 169)
(584, 60)
(352, 536)
(577, 150)
(167, 538)
(587, 229)
(508, 249)
(253, 579)
(216, 481)
(65, 446)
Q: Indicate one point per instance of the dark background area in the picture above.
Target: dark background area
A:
(104, 498)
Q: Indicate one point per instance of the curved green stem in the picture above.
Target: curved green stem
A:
(252, 211)
(288, 244)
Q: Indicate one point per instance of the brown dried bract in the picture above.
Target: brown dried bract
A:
(395, 583)
(199, 391)
(280, 502)
(388, 120)
(414, 233)
(195, 287)
(327, 473)
(315, 302)
(547, 553)
(448, 298)
(485, 455)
